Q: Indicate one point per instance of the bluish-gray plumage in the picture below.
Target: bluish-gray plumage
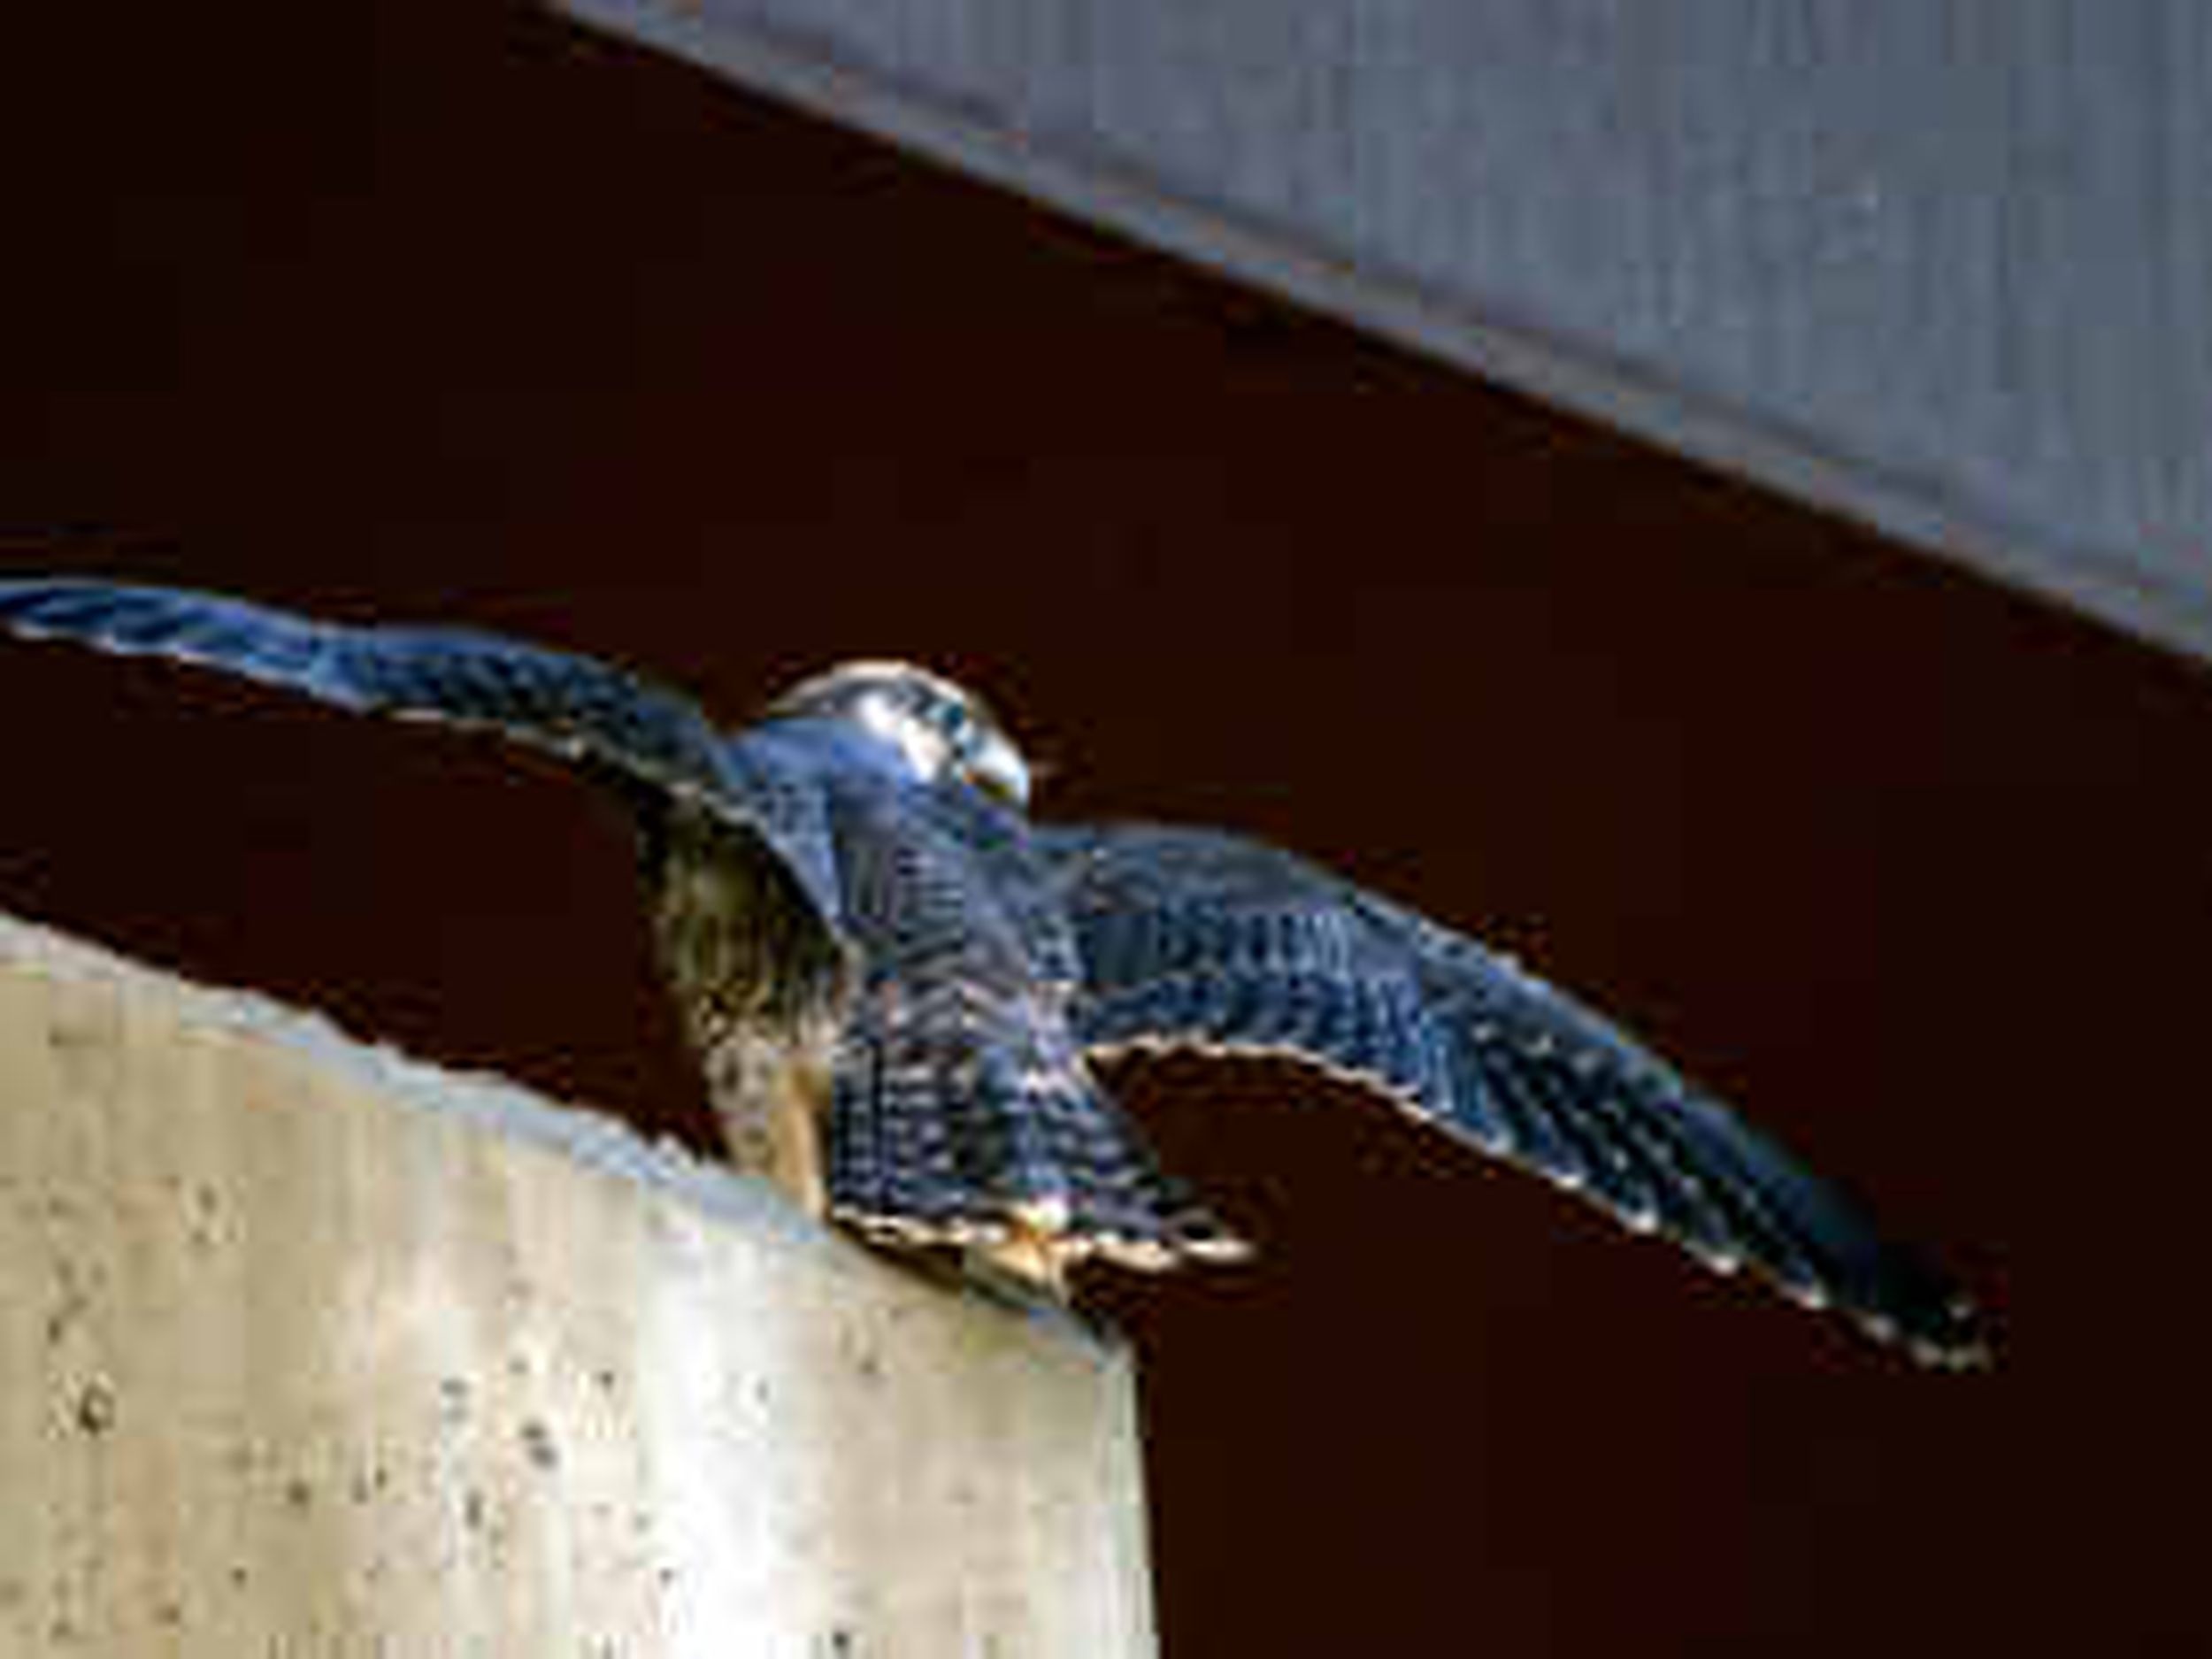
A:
(898, 984)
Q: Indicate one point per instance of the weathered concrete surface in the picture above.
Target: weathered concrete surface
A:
(307, 1349)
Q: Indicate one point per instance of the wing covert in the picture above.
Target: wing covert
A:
(1198, 940)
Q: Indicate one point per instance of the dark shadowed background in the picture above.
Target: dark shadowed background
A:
(449, 311)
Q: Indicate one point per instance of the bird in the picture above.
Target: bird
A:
(901, 989)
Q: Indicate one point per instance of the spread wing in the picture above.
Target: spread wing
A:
(1192, 939)
(612, 723)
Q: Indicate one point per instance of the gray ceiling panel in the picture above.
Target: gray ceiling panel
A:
(1942, 265)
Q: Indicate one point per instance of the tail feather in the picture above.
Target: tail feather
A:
(936, 1137)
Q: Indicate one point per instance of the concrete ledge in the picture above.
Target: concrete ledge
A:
(306, 1349)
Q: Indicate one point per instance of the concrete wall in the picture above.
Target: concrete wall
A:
(307, 1349)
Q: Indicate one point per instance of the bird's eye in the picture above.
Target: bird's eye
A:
(995, 784)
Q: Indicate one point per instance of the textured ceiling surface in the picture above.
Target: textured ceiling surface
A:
(1939, 265)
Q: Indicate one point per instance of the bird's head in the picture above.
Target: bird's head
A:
(937, 729)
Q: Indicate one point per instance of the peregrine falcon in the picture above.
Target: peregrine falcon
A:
(900, 986)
